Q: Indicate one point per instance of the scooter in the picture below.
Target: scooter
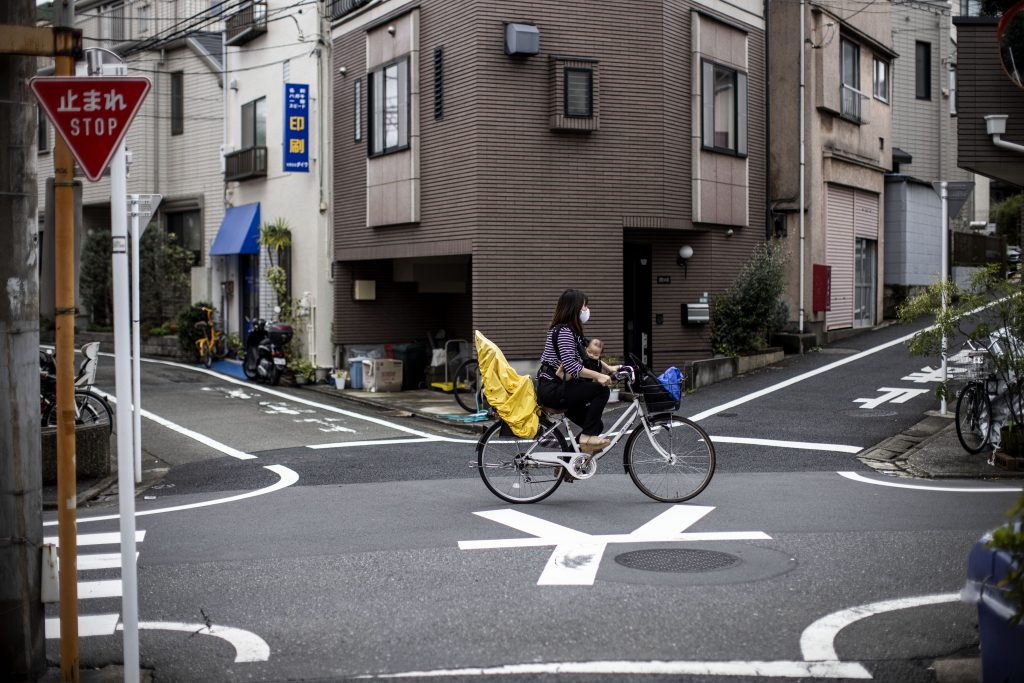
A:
(264, 350)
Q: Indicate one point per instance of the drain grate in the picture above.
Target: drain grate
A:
(677, 560)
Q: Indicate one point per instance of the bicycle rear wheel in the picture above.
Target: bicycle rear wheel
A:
(507, 471)
(973, 417)
(672, 464)
(468, 388)
(89, 409)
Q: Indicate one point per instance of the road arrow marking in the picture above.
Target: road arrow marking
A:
(577, 555)
(890, 394)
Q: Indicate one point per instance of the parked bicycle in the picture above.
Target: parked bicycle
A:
(213, 345)
(90, 407)
(669, 458)
(468, 387)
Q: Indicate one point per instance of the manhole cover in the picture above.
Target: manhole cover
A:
(676, 560)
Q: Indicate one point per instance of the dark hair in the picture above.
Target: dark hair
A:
(567, 311)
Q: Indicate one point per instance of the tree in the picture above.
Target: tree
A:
(95, 282)
(275, 238)
(164, 276)
(745, 314)
(1006, 216)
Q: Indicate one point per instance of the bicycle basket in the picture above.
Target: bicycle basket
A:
(968, 365)
(656, 397)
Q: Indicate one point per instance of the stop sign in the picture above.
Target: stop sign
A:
(91, 114)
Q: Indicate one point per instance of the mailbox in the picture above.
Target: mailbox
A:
(695, 313)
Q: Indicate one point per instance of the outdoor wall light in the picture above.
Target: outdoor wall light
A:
(683, 257)
(342, 70)
(391, 30)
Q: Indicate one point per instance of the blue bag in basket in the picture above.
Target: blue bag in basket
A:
(672, 379)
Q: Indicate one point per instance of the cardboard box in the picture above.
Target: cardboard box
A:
(382, 374)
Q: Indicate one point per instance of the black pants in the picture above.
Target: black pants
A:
(583, 401)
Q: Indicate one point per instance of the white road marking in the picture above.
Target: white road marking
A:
(99, 589)
(376, 442)
(797, 445)
(893, 394)
(288, 477)
(577, 555)
(817, 642)
(94, 539)
(88, 625)
(854, 476)
(924, 375)
(249, 647)
(196, 436)
(799, 378)
(764, 669)
(101, 561)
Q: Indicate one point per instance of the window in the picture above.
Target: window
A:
(724, 94)
(923, 54)
(114, 22)
(254, 123)
(881, 80)
(186, 230)
(43, 134)
(177, 103)
(970, 8)
(145, 16)
(952, 89)
(849, 66)
(357, 107)
(579, 93)
(388, 95)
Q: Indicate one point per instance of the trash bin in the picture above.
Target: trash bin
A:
(414, 363)
(355, 372)
(1002, 645)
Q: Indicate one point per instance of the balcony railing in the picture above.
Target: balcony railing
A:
(245, 164)
(247, 23)
(339, 8)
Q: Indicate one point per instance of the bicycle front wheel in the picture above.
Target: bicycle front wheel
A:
(973, 417)
(468, 388)
(508, 472)
(673, 462)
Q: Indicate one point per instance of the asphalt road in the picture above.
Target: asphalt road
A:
(380, 552)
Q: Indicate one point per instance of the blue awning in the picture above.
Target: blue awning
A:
(239, 231)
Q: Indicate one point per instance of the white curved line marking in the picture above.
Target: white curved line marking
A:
(763, 669)
(817, 642)
(249, 647)
(799, 445)
(854, 476)
(288, 477)
(201, 438)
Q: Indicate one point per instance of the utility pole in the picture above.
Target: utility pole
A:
(22, 626)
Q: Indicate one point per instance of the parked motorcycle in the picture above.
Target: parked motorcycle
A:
(264, 350)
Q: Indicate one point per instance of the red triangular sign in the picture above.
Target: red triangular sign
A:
(91, 114)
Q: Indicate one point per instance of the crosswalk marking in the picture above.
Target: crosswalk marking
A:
(95, 624)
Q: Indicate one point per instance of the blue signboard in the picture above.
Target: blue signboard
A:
(296, 135)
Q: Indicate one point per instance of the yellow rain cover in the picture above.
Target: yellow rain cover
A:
(511, 394)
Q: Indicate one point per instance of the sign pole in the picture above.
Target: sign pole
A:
(136, 389)
(945, 277)
(67, 535)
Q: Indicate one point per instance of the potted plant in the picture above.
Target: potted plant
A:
(990, 313)
(303, 370)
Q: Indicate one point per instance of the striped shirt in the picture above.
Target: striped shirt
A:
(569, 350)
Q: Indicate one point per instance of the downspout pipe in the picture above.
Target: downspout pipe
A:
(995, 125)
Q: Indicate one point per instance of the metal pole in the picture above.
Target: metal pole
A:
(122, 364)
(803, 30)
(64, 255)
(136, 372)
(945, 276)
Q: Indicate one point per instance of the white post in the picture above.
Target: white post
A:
(943, 194)
(136, 344)
(122, 364)
(803, 47)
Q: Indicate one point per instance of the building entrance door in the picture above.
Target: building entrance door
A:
(636, 304)
(864, 291)
(249, 265)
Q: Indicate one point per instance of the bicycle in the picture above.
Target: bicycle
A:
(468, 387)
(669, 458)
(90, 408)
(212, 345)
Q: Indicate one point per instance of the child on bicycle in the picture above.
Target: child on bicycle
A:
(592, 358)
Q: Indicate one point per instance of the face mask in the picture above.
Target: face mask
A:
(584, 315)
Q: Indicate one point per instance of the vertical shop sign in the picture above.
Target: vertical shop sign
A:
(296, 135)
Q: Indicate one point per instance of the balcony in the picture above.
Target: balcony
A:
(248, 23)
(339, 8)
(245, 164)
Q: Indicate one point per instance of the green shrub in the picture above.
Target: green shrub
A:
(188, 333)
(95, 283)
(745, 314)
(159, 331)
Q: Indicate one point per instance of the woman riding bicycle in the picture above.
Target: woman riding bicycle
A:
(564, 382)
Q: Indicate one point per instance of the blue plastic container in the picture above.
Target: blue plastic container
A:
(1002, 645)
(355, 372)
